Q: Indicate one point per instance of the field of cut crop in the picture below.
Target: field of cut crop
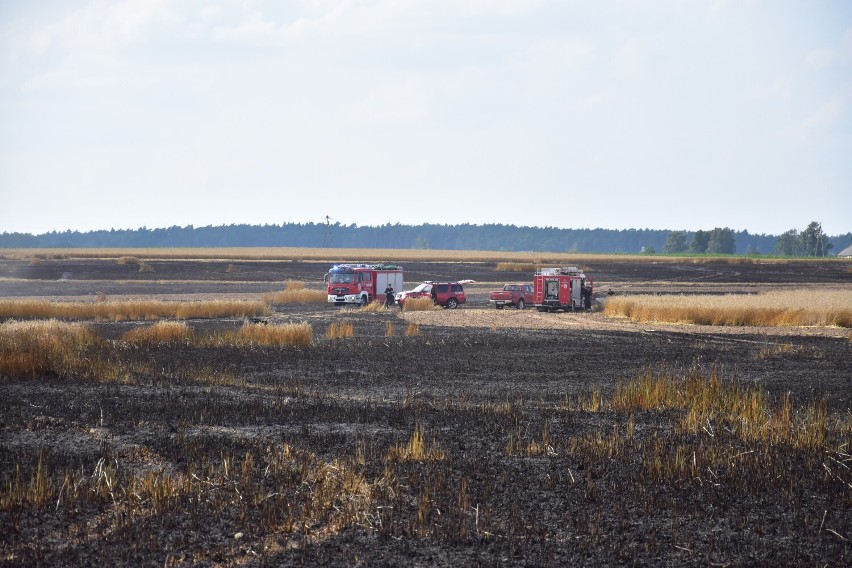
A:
(303, 434)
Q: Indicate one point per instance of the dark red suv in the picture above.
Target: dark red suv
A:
(447, 294)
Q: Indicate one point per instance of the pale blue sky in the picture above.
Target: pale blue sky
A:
(610, 113)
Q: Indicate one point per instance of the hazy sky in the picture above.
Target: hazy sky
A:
(667, 114)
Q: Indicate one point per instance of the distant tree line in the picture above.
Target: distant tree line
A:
(718, 241)
(448, 237)
(810, 242)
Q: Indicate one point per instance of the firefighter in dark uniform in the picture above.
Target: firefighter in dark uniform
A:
(389, 301)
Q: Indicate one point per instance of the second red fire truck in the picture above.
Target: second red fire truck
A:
(562, 289)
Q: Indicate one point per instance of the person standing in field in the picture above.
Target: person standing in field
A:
(389, 301)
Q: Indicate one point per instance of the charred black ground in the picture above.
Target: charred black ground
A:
(481, 396)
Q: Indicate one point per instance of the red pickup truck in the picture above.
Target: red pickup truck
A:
(518, 295)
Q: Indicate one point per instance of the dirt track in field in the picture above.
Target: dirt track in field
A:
(476, 379)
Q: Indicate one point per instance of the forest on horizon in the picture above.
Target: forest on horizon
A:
(495, 237)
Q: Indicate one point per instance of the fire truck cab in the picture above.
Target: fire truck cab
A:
(564, 288)
(361, 283)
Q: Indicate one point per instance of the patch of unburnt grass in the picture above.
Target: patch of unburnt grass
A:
(149, 310)
(777, 308)
(517, 266)
(160, 332)
(53, 348)
(375, 306)
(261, 334)
(340, 330)
(45, 348)
(412, 330)
(287, 334)
(419, 305)
(295, 292)
(416, 449)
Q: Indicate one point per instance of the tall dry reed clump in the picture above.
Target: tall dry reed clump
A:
(271, 335)
(830, 308)
(160, 332)
(375, 306)
(221, 308)
(413, 330)
(38, 348)
(340, 330)
(419, 305)
(416, 450)
(131, 310)
(295, 293)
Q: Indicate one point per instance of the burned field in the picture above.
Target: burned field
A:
(450, 442)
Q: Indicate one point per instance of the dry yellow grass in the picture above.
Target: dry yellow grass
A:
(37, 348)
(778, 308)
(130, 310)
(340, 330)
(160, 332)
(413, 330)
(375, 306)
(295, 293)
(416, 450)
(249, 334)
(419, 305)
(277, 335)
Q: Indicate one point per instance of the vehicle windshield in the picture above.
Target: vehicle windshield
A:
(423, 288)
(341, 277)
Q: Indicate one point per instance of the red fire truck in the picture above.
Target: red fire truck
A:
(361, 283)
(564, 288)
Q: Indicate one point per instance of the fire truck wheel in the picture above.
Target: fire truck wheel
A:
(521, 304)
(363, 301)
(452, 303)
